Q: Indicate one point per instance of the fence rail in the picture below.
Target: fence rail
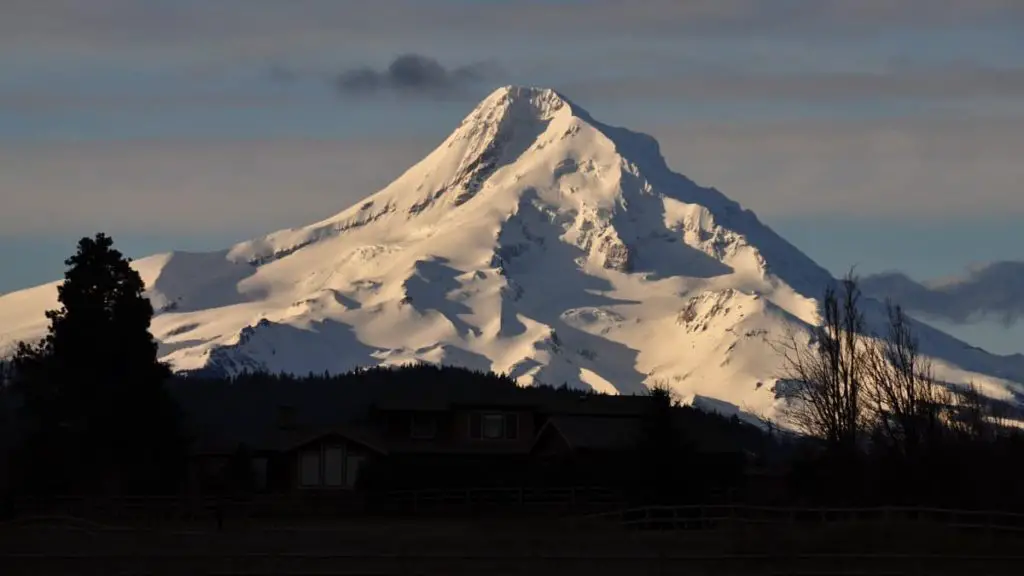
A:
(703, 516)
(567, 497)
(583, 505)
(321, 505)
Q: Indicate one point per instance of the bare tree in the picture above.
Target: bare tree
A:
(823, 383)
(970, 414)
(908, 404)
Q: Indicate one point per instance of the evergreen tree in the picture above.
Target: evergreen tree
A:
(97, 415)
(661, 450)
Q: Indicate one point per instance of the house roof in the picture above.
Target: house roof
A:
(614, 433)
(594, 432)
(222, 417)
(354, 434)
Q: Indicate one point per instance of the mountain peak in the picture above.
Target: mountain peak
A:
(514, 108)
(539, 102)
(535, 241)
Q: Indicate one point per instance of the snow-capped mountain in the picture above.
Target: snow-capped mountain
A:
(534, 241)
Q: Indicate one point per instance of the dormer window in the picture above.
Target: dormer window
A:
(493, 426)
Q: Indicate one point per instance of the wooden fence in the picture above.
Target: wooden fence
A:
(587, 505)
(568, 499)
(696, 517)
(326, 504)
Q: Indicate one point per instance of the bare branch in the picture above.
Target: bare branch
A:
(823, 381)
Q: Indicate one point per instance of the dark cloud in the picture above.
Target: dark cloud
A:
(992, 291)
(412, 74)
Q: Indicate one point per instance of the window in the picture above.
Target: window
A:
(423, 426)
(309, 467)
(259, 468)
(333, 464)
(493, 426)
(324, 466)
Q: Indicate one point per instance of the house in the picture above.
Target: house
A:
(268, 438)
(429, 432)
(586, 449)
(455, 437)
(578, 435)
(470, 424)
(286, 458)
(330, 459)
(612, 443)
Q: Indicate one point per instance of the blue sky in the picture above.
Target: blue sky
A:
(882, 133)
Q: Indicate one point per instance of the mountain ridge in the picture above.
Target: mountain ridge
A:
(535, 241)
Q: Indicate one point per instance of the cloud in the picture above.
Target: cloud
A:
(260, 28)
(994, 290)
(410, 74)
(697, 50)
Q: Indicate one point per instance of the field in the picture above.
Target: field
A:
(697, 540)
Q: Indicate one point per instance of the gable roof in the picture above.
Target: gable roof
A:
(594, 432)
(353, 434)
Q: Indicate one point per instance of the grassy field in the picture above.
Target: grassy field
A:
(543, 545)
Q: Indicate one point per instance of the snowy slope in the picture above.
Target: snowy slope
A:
(535, 241)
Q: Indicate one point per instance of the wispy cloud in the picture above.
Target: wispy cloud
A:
(994, 290)
(951, 150)
(410, 74)
(257, 28)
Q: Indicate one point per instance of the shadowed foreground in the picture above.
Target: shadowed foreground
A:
(644, 543)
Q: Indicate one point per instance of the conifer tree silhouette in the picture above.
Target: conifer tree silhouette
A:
(97, 415)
